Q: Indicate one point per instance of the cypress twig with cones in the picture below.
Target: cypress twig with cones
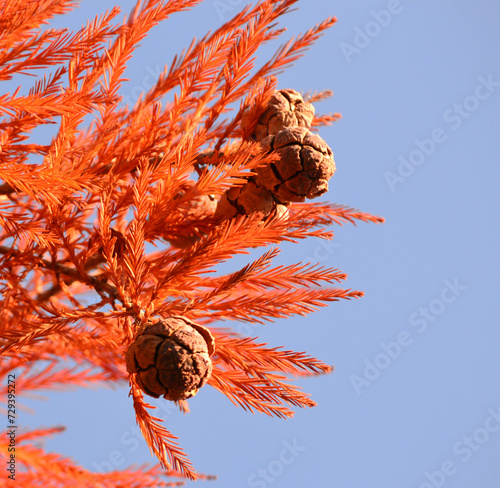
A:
(80, 284)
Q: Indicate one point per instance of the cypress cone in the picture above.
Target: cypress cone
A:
(171, 358)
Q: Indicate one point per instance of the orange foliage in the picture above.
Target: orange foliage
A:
(76, 278)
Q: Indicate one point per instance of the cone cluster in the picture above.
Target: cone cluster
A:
(171, 358)
(305, 161)
(302, 171)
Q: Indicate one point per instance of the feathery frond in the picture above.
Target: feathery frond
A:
(113, 224)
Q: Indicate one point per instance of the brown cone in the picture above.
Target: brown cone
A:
(245, 200)
(171, 357)
(286, 108)
(306, 164)
(200, 207)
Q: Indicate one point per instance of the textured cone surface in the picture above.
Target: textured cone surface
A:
(171, 357)
(306, 164)
(245, 200)
(286, 108)
(200, 207)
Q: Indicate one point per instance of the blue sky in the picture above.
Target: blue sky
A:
(414, 401)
